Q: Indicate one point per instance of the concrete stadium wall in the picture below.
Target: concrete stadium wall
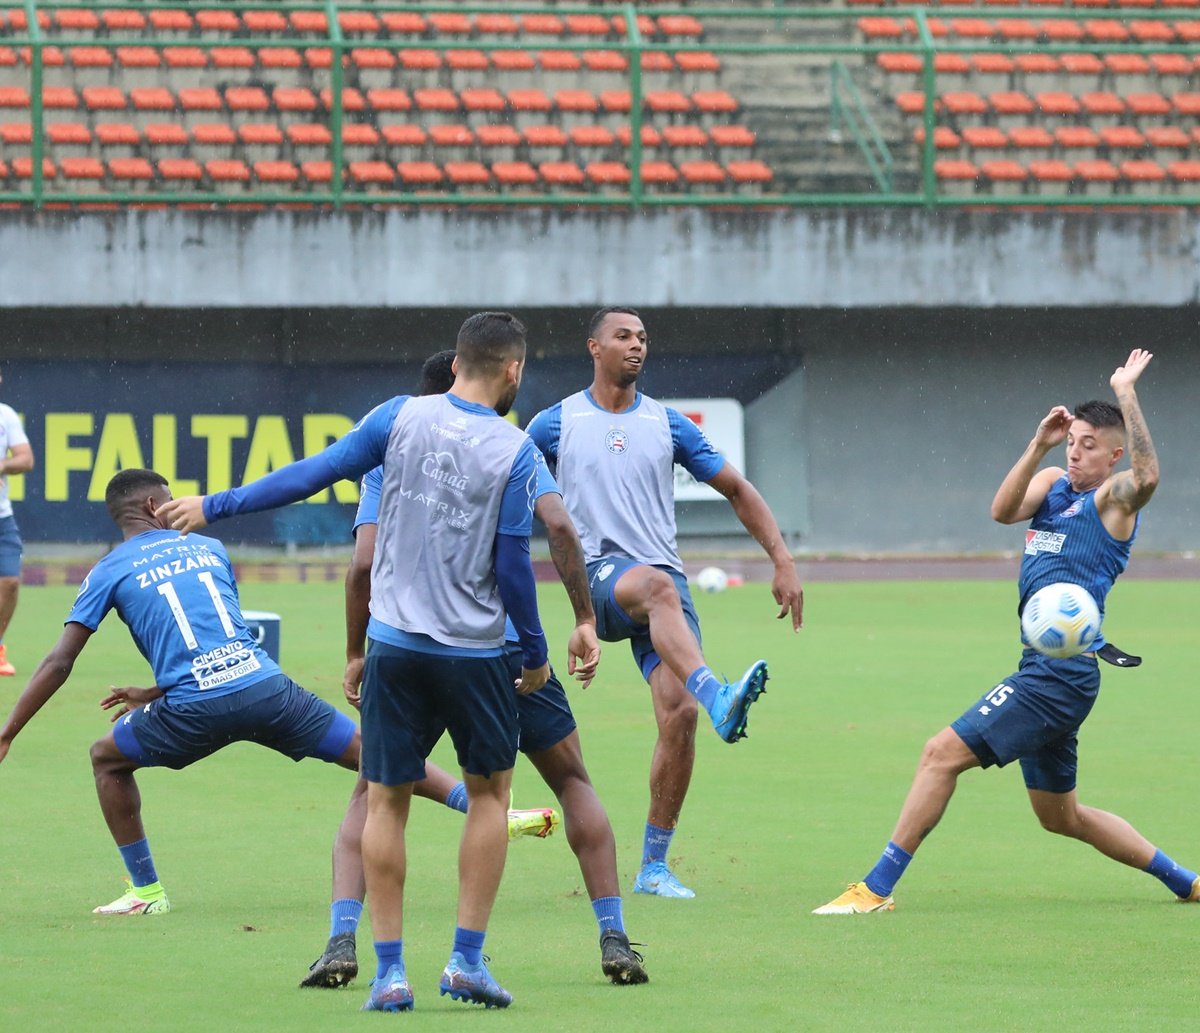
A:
(661, 257)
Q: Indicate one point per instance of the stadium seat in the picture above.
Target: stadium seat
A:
(261, 141)
(276, 173)
(944, 138)
(467, 173)
(1148, 107)
(564, 174)
(732, 137)
(68, 138)
(1144, 176)
(1080, 141)
(168, 139)
(435, 98)
(213, 140)
(1051, 176)
(376, 173)
(178, 172)
(1057, 103)
(703, 173)
(353, 102)
(607, 174)
(1122, 138)
(1180, 172)
(1096, 176)
(404, 140)
(386, 103)
(232, 59)
(293, 100)
(514, 173)
(749, 171)
(985, 142)
(130, 172)
(1012, 108)
(500, 140)
(317, 173)
(1168, 138)
(453, 140)
(1004, 176)
(104, 98)
(955, 175)
(118, 139)
(82, 173)
(1032, 142)
(263, 23)
(482, 101)
(167, 22)
(419, 173)
(962, 102)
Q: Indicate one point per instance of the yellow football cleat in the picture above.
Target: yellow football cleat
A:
(536, 821)
(857, 900)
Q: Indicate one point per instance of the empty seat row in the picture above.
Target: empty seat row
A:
(1064, 138)
(1122, 5)
(226, 22)
(302, 138)
(138, 173)
(289, 99)
(1050, 30)
(1068, 65)
(1015, 105)
(1061, 176)
(192, 58)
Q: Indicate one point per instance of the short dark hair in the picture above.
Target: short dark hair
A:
(129, 485)
(437, 375)
(487, 340)
(599, 316)
(1100, 414)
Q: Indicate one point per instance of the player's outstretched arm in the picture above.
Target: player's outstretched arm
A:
(49, 677)
(1131, 489)
(583, 648)
(756, 517)
(1024, 487)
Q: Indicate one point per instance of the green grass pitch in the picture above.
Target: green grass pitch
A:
(998, 924)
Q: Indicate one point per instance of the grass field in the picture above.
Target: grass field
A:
(998, 924)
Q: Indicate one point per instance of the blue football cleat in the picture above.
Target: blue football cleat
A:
(732, 705)
(391, 992)
(473, 984)
(658, 879)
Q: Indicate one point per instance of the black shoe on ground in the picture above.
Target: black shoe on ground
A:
(336, 967)
(621, 963)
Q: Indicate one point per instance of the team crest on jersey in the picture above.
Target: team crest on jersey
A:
(616, 441)
(1043, 541)
(1072, 509)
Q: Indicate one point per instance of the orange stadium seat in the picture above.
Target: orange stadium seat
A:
(404, 135)
(1122, 138)
(450, 23)
(607, 173)
(104, 98)
(944, 138)
(732, 137)
(353, 102)
(1097, 174)
(1179, 171)
(226, 173)
(419, 173)
(289, 100)
(1054, 175)
(541, 25)
(703, 172)
(81, 170)
(388, 100)
(496, 136)
(123, 21)
(276, 172)
(175, 172)
(403, 23)
(467, 173)
(482, 99)
(130, 171)
(118, 137)
(231, 58)
(604, 61)
(510, 61)
(366, 173)
(170, 21)
(1004, 175)
(561, 174)
(451, 135)
(559, 61)
(750, 170)
(185, 57)
(262, 23)
(435, 98)
(515, 173)
(317, 173)
(1163, 138)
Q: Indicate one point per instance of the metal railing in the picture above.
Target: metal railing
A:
(850, 104)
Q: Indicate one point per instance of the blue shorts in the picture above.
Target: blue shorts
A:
(613, 624)
(10, 548)
(1034, 717)
(545, 716)
(410, 698)
(275, 712)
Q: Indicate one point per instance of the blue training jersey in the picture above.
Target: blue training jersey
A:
(1067, 541)
(372, 488)
(178, 596)
(617, 471)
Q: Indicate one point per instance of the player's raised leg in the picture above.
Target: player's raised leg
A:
(590, 836)
(121, 804)
(481, 858)
(945, 757)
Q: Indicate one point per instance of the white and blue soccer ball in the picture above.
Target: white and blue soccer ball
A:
(712, 579)
(1061, 620)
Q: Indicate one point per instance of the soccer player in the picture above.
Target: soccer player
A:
(548, 732)
(1083, 523)
(16, 456)
(614, 450)
(452, 558)
(213, 684)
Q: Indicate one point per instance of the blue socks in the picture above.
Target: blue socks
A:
(609, 914)
(456, 799)
(882, 879)
(388, 953)
(704, 685)
(656, 844)
(139, 863)
(1178, 880)
(344, 915)
(469, 943)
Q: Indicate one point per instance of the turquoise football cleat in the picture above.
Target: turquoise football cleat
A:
(472, 983)
(732, 705)
(656, 878)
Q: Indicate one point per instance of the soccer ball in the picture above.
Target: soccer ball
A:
(712, 579)
(1060, 620)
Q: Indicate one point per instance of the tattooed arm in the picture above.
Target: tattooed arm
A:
(583, 651)
(1124, 493)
